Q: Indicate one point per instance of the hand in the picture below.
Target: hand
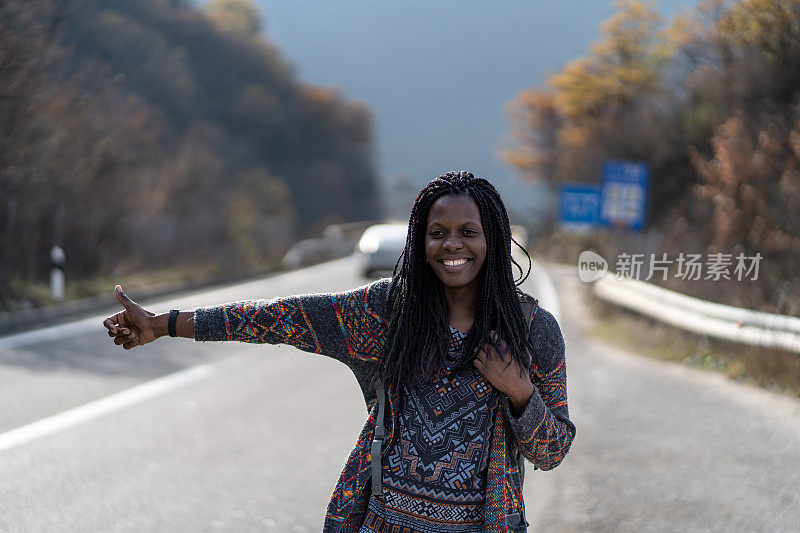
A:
(133, 326)
(492, 361)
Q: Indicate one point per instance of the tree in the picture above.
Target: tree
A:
(751, 189)
(239, 17)
(769, 30)
(597, 107)
(143, 111)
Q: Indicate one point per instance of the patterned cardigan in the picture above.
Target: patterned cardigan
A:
(352, 327)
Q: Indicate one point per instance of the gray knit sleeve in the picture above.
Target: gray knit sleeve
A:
(544, 431)
(346, 325)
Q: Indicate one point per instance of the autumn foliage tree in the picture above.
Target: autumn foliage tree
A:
(749, 191)
(146, 134)
(600, 106)
(710, 100)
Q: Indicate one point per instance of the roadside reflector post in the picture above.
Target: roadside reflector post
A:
(58, 259)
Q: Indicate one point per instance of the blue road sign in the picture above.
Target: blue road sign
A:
(624, 192)
(580, 204)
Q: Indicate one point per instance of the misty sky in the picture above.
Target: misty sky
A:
(437, 73)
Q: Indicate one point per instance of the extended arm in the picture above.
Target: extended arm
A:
(346, 325)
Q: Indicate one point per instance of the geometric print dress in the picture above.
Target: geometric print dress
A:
(351, 327)
(434, 475)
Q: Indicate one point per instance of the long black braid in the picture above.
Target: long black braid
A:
(418, 325)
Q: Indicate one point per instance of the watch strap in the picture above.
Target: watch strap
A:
(173, 317)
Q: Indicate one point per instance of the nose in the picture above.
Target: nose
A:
(452, 242)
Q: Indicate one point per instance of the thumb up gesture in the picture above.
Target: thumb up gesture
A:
(132, 327)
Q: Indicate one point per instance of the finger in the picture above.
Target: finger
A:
(111, 322)
(503, 350)
(122, 298)
(480, 366)
(119, 330)
(494, 339)
(122, 339)
(500, 345)
(129, 345)
(490, 349)
(503, 343)
(481, 356)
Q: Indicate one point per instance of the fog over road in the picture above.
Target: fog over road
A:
(253, 438)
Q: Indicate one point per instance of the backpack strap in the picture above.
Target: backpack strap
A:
(377, 441)
(529, 308)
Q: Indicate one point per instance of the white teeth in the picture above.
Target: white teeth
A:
(457, 262)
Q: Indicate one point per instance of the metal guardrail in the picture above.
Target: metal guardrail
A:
(700, 316)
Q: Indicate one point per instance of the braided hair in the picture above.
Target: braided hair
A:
(418, 326)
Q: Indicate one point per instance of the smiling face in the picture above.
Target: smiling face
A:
(455, 245)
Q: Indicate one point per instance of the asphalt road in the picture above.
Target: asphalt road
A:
(184, 436)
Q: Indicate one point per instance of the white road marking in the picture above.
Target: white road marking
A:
(96, 409)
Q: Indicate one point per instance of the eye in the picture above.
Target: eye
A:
(470, 232)
(435, 234)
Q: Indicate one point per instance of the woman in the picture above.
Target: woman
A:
(450, 337)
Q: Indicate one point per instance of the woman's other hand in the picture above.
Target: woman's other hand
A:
(492, 360)
(132, 327)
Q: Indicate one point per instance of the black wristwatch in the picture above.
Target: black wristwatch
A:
(173, 316)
